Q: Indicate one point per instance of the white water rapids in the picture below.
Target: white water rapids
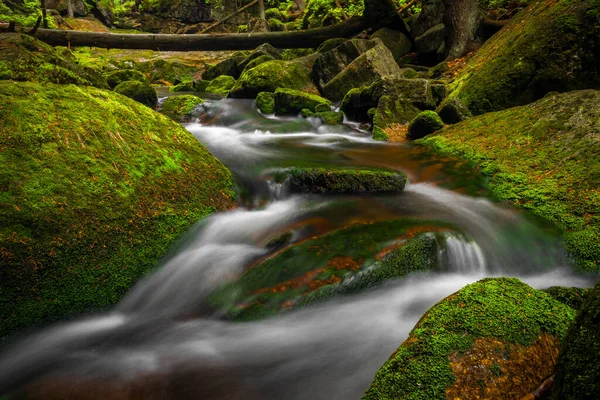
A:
(163, 330)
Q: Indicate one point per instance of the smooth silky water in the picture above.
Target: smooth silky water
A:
(165, 338)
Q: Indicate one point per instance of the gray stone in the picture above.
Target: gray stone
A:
(453, 111)
(429, 42)
(398, 43)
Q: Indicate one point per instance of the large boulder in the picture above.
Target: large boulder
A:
(578, 367)
(265, 102)
(330, 63)
(229, 66)
(453, 111)
(142, 92)
(431, 44)
(548, 47)
(496, 338)
(398, 43)
(115, 77)
(79, 7)
(221, 85)
(541, 157)
(370, 66)
(95, 189)
(23, 58)
(383, 13)
(424, 124)
(290, 101)
(269, 76)
(261, 51)
(179, 108)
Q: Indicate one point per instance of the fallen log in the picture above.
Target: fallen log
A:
(222, 41)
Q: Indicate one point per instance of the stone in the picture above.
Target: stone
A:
(138, 91)
(230, 66)
(289, 101)
(394, 110)
(187, 86)
(330, 44)
(383, 13)
(372, 65)
(262, 50)
(115, 77)
(331, 117)
(275, 25)
(257, 61)
(265, 102)
(432, 14)
(179, 108)
(424, 124)
(453, 111)
(428, 43)
(397, 42)
(269, 76)
(330, 63)
(221, 85)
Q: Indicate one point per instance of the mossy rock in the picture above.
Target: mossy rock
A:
(221, 85)
(170, 71)
(257, 61)
(541, 157)
(331, 117)
(578, 366)
(260, 52)
(201, 85)
(23, 58)
(394, 110)
(96, 188)
(265, 102)
(269, 76)
(339, 263)
(398, 43)
(187, 86)
(274, 13)
(379, 134)
(572, 296)
(139, 91)
(453, 111)
(179, 108)
(330, 44)
(424, 124)
(275, 25)
(292, 54)
(321, 180)
(230, 66)
(474, 342)
(549, 46)
(290, 101)
(122, 75)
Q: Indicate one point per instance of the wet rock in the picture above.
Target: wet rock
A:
(578, 366)
(269, 76)
(453, 111)
(424, 124)
(230, 66)
(331, 117)
(496, 338)
(138, 91)
(221, 85)
(187, 86)
(179, 108)
(332, 62)
(265, 102)
(397, 42)
(372, 65)
(115, 77)
(289, 101)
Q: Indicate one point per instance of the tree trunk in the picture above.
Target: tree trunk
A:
(461, 18)
(44, 16)
(299, 5)
(232, 41)
(70, 12)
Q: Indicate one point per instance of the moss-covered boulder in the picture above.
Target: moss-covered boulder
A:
(23, 58)
(142, 92)
(265, 102)
(343, 262)
(290, 101)
(276, 25)
(578, 365)
(574, 297)
(179, 108)
(453, 111)
(230, 66)
(122, 75)
(330, 44)
(187, 86)
(550, 46)
(321, 180)
(261, 51)
(269, 76)
(331, 62)
(170, 72)
(424, 124)
(397, 42)
(221, 85)
(331, 117)
(542, 157)
(95, 188)
(394, 110)
(492, 339)
(257, 61)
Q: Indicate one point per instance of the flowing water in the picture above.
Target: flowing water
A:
(164, 341)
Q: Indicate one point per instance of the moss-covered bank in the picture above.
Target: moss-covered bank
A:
(542, 157)
(471, 345)
(94, 189)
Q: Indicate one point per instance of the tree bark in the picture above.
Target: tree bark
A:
(44, 16)
(233, 41)
(461, 18)
(70, 12)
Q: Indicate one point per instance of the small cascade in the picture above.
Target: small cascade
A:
(457, 254)
(278, 190)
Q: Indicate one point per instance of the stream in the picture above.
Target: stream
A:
(163, 340)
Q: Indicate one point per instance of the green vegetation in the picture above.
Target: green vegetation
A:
(221, 85)
(139, 91)
(268, 77)
(538, 157)
(95, 188)
(290, 101)
(579, 361)
(179, 108)
(321, 180)
(502, 308)
(116, 77)
(22, 12)
(572, 296)
(425, 123)
(265, 102)
(326, 12)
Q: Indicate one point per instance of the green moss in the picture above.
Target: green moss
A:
(139, 91)
(122, 75)
(257, 61)
(200, 86)
(321, 180)
(291, 54)
(179, 108)
(269, 76)
(379, 134)
(572, 296)
(541, 157)
(275, 25)
(290, 101)
(578, 364)
(424, 124)
(265, 102)
(503, 308)
(221, 85)
(187, 86)
(332, 117)
(550, 46)
(95, 188)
